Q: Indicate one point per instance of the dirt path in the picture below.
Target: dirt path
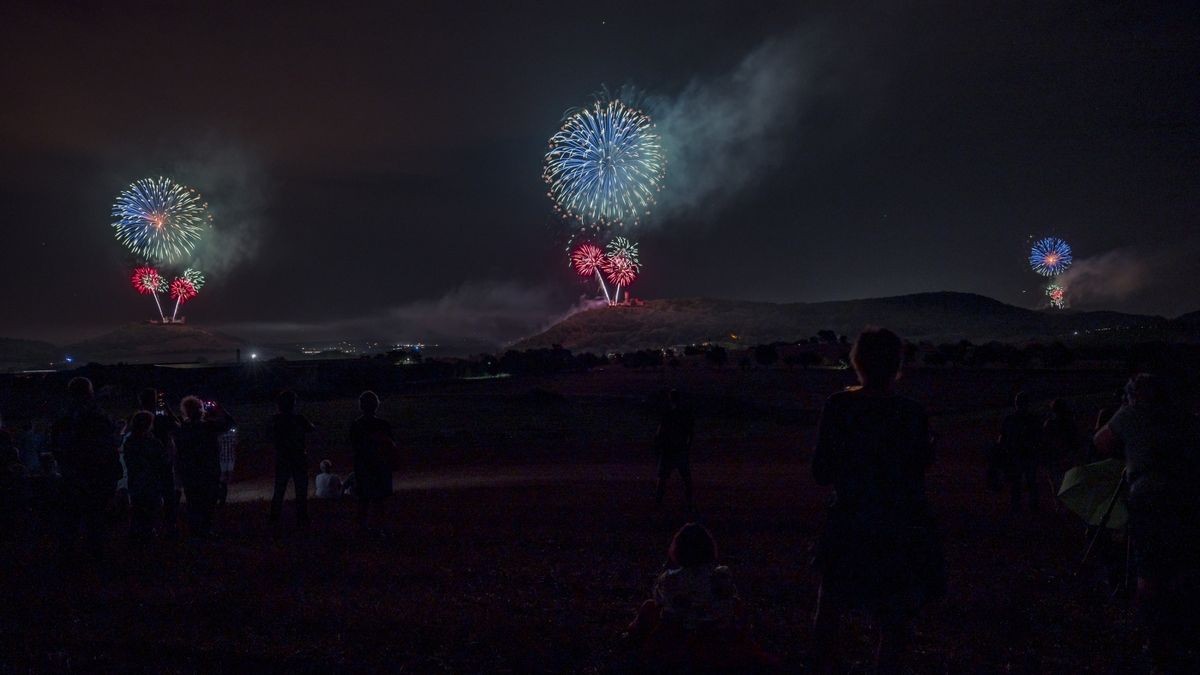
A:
(539, 474)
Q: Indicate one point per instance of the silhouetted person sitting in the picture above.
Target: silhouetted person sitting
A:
(291, 458)
(166, 424)
(1020, 447)
(198, 460)
(673, 440)
(1159, 442)
(879, 550)
(694, 619)
(147, 465)
(84, 443)
(374, 451)
(329, 485)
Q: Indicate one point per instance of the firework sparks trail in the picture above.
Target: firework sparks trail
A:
(160, 220)
(605, 165)
(621, 272)
(182, 290)
(588, 260)
(1050, 257)
(147, 281)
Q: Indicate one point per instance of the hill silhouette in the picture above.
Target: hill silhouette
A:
(16, 353)
(141, 342)
(936, 317)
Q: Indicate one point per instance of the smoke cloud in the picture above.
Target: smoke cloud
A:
(723, 133)
(474, 315)
(1113, 276)
(232, 182)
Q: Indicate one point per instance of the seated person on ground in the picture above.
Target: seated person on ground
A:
(329, 485)
(695, 617)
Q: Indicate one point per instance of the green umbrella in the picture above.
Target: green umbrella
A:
(1088, 490)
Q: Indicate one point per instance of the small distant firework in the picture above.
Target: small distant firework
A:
(605, 165)
(1050, 257)
(182, 290)
(621, 272)
(1057, 295)
(589, 260)
(160, 220)
(621, 247)
(147, 281)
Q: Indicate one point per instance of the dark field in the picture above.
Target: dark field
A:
(525, 535)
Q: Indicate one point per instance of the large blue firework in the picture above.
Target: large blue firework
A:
(160, 220)
(605, 165)
(1050, 257)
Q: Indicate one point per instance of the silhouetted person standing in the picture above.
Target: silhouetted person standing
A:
(146, 462)
(84, 443)
(374, 450)
(673, 441)
(1160, 443)
(291, 458)
(1020, 446)
(879, 550)
(198, 461)
(166, 424)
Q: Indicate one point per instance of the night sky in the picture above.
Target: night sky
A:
(377, 171)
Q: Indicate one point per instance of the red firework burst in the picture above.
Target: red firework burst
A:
(587, 258)
(620, 270)
(147, 280)
(182, 290)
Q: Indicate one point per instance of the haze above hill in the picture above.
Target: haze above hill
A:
(936, 317)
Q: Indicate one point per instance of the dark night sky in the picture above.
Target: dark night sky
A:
(377, 170)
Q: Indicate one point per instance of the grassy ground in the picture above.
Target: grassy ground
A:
(543, 576)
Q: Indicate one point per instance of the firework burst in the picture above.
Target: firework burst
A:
(605, 164)
(194, 277)
(1050, 257)
(621, 272)
(182, 290)
(621, 247)
(588, 260)
(160, 220)
(147, 281)
(1057, 295)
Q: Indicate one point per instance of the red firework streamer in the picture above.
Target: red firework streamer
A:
(620, 271)
(182, 290)
(147, 281)
(588, 260)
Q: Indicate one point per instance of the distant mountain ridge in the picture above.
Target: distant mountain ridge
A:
(149, 341)
(937, 317)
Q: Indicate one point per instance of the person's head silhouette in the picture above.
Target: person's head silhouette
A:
(876, 357)
(368, 403)
(691, 546)
(80, 390)
(286, 401)
(1021, 401)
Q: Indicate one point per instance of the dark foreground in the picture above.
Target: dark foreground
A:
(542, 578)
